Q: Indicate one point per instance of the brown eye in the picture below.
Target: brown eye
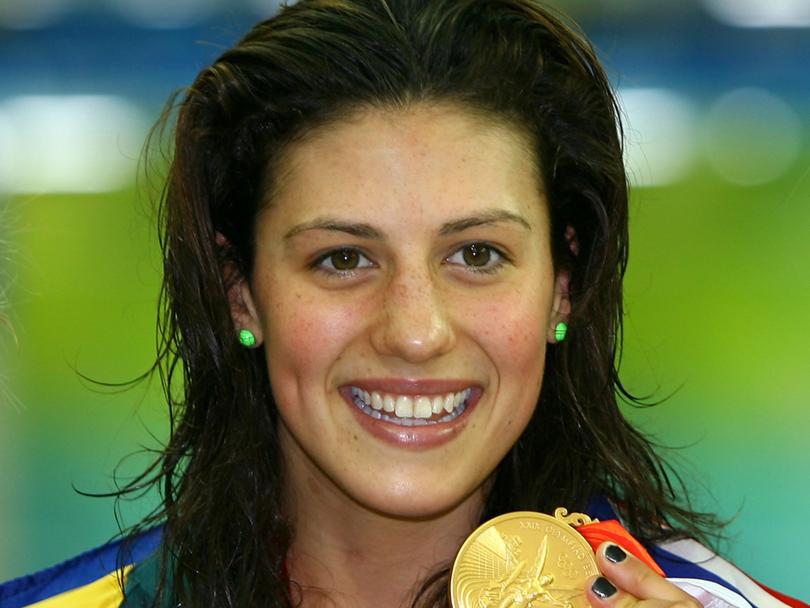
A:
(479, 258)
(476, 255)
(345, 259)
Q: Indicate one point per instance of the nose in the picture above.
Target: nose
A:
(413, 322)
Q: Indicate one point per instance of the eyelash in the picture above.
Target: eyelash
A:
(502, 258)
(318, 264)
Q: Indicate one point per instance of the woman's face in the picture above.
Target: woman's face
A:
(404, 293)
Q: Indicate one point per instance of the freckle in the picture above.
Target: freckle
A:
(354, 437)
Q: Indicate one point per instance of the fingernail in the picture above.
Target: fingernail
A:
(603, 588)
(615, 554)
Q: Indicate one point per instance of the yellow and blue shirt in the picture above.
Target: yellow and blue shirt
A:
(95, 579)
(127, 575)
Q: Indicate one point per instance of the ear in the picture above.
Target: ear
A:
(572, 240)
(561, 307)
(240, 298)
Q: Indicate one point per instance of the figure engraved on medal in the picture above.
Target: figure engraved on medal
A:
(522, 560)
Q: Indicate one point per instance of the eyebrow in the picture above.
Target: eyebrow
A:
(487, 217)
(369, 232)
(365, 231)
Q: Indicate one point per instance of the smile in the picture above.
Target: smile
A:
(411, 410)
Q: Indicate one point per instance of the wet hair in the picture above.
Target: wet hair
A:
(316, 63)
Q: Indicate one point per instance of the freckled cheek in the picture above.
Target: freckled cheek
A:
(512, 330)
(306, 334)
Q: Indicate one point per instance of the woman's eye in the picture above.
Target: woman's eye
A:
(478, 257)
(341, 261)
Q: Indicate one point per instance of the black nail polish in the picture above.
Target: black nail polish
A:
(603, 588)
(615, 554)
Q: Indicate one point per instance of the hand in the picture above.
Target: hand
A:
(629, 583)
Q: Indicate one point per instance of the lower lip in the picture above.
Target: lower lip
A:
(427, 436)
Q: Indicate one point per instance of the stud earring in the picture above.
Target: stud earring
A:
(560, 330)
(246, 338)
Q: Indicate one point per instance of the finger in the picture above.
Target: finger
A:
(604, 594)
(601, 593)
(630, 575)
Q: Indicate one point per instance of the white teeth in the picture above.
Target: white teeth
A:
(411, 411)
(404, 407)
(376, 401)
(422, 408)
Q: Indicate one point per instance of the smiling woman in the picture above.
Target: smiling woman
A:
(381, 218)
(431, 282)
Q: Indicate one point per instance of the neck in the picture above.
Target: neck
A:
(346, 555)
(341, 563)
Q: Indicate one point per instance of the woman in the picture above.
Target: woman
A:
(394, 235)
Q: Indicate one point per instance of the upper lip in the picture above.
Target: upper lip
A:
(411, 386)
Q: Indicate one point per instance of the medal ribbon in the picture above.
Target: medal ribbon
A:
(611, 530)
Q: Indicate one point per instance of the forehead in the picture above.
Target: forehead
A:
(424, 161)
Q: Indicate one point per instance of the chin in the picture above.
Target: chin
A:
(416, 501)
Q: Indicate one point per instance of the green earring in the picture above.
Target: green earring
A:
(246, 338)
(560, 330)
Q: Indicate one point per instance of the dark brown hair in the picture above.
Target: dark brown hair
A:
(315, 62)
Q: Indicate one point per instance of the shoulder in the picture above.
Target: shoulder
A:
(698, 570)
(91, 580)
(704, 574)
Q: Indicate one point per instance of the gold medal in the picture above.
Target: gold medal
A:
(524, 560)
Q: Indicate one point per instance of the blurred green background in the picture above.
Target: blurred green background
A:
(717, 100)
